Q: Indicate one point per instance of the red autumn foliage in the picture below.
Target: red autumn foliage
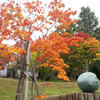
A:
(1, 68)
(83, 35)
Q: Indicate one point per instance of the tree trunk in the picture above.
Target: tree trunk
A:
(22, 89)
(18, 90)
(11, 73)
(31, 95)
(34, 76)
(27, 73)
(21, 80)
(87, 66)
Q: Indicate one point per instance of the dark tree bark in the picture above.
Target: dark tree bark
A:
(20, 82)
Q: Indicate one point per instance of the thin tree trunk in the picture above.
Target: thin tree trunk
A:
(34, 75)
(20, 82)
(11, 72)
(19, 85)
(18, 91)
(87, 66)
(22, 89)
(27, 73)
(31, 95)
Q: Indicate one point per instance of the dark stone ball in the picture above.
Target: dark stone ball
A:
(88, 82)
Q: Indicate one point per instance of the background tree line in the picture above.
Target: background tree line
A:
(82, 57)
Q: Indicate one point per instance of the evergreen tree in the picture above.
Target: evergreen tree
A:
(88, 22)
(97, 33)
(72, 28)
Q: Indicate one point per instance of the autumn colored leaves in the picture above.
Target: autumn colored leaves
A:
(15, 23)
(51, 47)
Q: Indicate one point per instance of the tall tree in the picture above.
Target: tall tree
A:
(88, 22)
(97, 33)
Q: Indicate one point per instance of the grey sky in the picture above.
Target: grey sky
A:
(77, 4)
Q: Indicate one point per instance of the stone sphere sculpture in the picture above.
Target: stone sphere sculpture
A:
(88, 82)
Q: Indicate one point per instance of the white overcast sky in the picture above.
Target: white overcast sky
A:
(77, 4)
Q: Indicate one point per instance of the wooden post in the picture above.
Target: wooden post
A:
(62, 97)
(81, 96)
(76, 96)
(27, 73)
(69, 97)
(96, 96)
(53, 98)
(85, 96)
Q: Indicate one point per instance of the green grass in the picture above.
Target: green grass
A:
(8, 88)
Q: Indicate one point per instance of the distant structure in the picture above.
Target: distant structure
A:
(3, 73)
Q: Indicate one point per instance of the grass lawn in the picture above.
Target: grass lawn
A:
(8, 88)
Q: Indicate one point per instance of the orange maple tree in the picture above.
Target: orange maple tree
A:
(52, 46)
(6, 54)
(13, 24)
(18, 22)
